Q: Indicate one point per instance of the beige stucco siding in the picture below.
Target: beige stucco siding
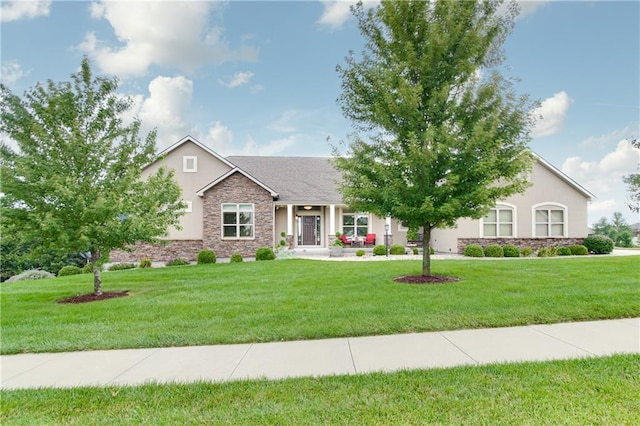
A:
(208, 169)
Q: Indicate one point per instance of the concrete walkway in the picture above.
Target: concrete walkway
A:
(341, 356)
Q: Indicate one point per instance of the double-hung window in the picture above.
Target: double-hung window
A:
(498, 222)
(237, 221)
(550, 222)
(355, 225)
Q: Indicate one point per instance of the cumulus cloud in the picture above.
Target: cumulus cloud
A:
(337, 12)
(170, 34)
(12, 71)
(238, 79)
(612, 137)
(551, 114)
(16, 10)
(219, 138)
(285, 123)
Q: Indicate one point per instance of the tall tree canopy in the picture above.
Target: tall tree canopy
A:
(73, 183)
(440, 134)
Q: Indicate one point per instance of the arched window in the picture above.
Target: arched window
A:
(550, 220)
(500, 222)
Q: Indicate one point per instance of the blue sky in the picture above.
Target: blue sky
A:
(258, 77)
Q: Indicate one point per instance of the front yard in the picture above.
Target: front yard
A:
(306, 299)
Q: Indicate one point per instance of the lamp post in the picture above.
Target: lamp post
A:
(386, 238)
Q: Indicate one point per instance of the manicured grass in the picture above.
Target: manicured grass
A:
(577, 392)
(306, 299)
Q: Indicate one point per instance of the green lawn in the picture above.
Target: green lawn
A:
(306, 299)
(602, 391)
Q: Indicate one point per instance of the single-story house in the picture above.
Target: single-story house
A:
(238, 204)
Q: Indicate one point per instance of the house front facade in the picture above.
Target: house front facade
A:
(238, 204)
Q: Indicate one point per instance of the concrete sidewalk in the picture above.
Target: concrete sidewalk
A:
(339, 356)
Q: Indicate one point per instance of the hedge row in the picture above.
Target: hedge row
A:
(495, 250)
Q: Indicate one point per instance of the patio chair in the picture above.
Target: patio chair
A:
(370, 239)
(345, 240)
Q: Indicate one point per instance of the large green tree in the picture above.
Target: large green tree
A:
(440, 134)
(633, 185)
(618, 230)
(71, 171)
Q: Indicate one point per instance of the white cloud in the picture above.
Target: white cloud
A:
(169, 34)
(616, 135)
(551, 114)
(16, 10)
(337, 12)
(219, 138)
(527, 7)
(277, 146)
(285, 123)
(12, 71)
(238, 79)
(604, 178)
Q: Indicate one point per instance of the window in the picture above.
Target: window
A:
(498, 222)
(355, 225)
(189, 164)
(237, 221)
(403, 226)
(188, 206)
(550, 222)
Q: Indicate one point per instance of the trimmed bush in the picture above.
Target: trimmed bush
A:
(206, 256)
(88, 268)
(236, 258)
(564, 251)
(493, 250)
(176, 262)
(360, 253)
(599, 244)
(123, 266)
(265, 253)
(548, 251)
(473, 250)
(511, 251)
(31, 274)
(396, 249)
(69, 270)
(526, 252)
(432, 250)
(579, 250)
(145, 263)
(380, 250)
(415, 250)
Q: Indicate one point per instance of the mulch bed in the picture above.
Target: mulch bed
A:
(91, 297)
(426, 279)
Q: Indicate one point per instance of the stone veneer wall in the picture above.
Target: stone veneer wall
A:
(163, 252)
(237, 188)
(534, 243)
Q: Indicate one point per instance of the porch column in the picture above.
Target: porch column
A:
(289, 219)
(332, 220)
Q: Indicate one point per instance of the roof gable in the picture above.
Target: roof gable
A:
(572, 183)
(190, 139)
(235, 169)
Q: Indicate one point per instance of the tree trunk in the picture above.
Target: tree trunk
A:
(97, 277)
(426, 251)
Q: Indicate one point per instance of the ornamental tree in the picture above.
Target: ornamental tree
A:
(439, 133)
(71, 171)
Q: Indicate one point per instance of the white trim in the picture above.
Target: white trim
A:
(565, 219)
(193, 140)
(200, 192)
(238, 237)
(185, 163)
(514, 221)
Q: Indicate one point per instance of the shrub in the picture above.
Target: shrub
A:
(360, 253)
(206, 256)
(511, 251)
(69, 270)
(380, 250)
(432, 250)
(415, 250)
(473, 250)
(123, 266)
(526, 252)
(88, 268)
(548, 251)
(599, 244)
(31, 274)
(564, 251)
(145, 263)
(265, 253)
(579, 250)
(236, 258)
(177, 262)
(494, 250)
(396, 249)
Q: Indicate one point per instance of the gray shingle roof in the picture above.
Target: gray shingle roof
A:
(298, 180)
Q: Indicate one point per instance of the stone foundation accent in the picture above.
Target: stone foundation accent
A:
(534, 243)
(163, 252)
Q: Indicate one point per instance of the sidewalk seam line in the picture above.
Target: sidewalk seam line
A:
(133, 366)
(533, 327)
(57, 355)
(458, 347)
(353, 361)
(230, 377)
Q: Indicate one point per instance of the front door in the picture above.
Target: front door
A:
(310, 230)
